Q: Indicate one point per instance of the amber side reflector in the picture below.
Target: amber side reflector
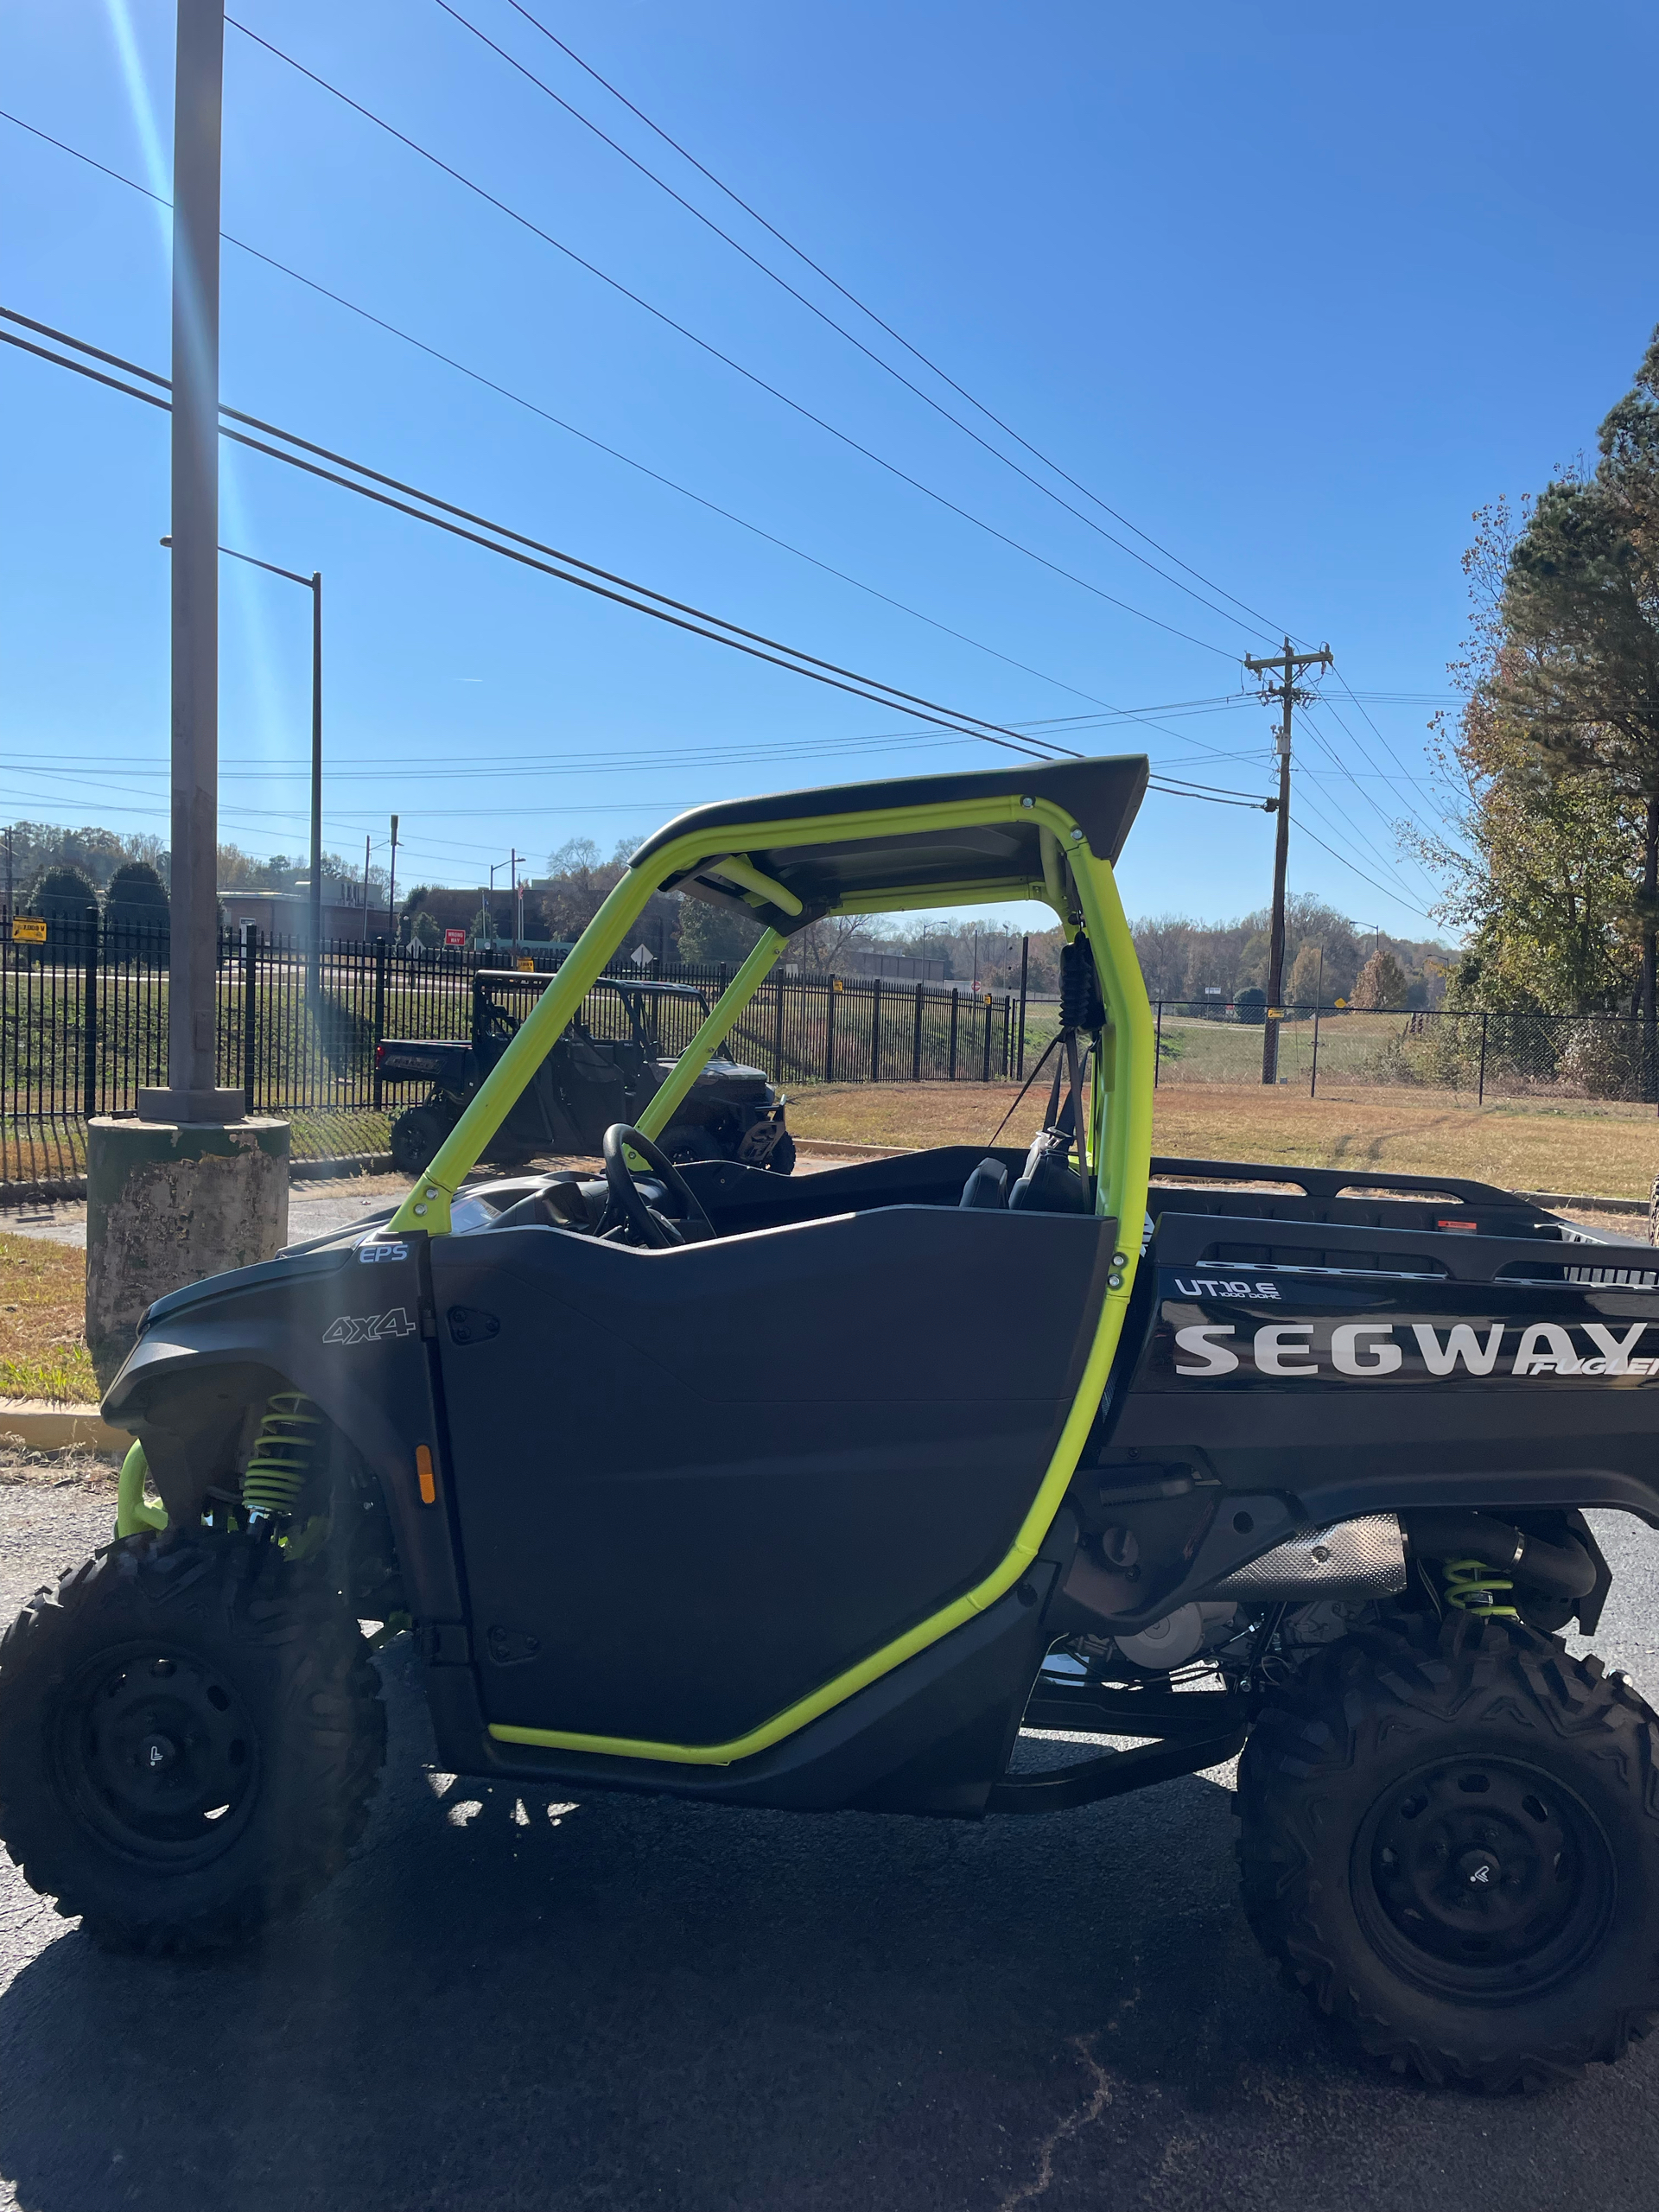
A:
(1460, 1228)
(429, 1481)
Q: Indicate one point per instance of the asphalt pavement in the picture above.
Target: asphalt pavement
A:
(626, 2004)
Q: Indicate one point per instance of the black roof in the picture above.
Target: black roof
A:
(1102, 797)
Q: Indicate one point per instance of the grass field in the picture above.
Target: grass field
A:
(42, 1314)
(1607, 1155)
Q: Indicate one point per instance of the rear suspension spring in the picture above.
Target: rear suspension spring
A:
(1472, 1587)
(282, 1455)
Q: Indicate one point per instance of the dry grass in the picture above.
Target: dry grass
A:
(73, 1468)
(1521, 1149)
(42, 1320)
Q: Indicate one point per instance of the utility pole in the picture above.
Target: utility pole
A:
(193, 1092)
(175, 1194)
(392, 887)
(316, 782)
(366, 845)
(1288, 666)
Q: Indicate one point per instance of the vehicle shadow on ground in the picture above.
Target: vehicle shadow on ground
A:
(629, 2003)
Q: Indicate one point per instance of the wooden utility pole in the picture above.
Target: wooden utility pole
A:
(1288, 666)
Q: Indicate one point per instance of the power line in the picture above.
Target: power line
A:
(1210, 799)
(1121, 714)
(864, 309)
(715, 353)
(1363, 878)
(614, 452)
(1338, 828)
(798, 662)
(841, 329)
(1330, 707)
(1343, 769)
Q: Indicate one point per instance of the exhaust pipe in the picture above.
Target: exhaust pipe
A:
(1560, 1570)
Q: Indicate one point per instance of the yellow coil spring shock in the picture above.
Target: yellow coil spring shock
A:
(1472, 1587)
(280, 1459)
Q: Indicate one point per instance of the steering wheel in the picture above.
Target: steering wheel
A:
(691, 1225)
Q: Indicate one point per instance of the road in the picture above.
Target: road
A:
(622, 2003)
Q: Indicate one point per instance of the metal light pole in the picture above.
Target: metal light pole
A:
(496, 867)
(312, 583)
(392, 887)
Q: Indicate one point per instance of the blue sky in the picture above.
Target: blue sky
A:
(1294, 289)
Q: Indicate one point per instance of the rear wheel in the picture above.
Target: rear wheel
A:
(416, 1134)
(191, 1732)
(688, 1143)
(1451, 1843)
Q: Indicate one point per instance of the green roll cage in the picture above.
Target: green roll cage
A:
(1080, 888)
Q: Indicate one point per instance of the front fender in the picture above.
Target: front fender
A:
(355, 1339)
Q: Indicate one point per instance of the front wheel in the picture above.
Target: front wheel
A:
(191, 1732)
(1451, 1843)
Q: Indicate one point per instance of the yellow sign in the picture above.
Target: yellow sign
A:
(525, 967)
(28, 929)
(1342, 1001)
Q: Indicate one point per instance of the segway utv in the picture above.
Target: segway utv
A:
(680, 1484)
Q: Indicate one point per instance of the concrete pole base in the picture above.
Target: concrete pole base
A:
(169, 1203)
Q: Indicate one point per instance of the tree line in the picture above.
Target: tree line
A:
(1551, 765)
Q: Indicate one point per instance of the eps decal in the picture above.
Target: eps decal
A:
(1287, 1350)
(369, 1328)
(368, 1254)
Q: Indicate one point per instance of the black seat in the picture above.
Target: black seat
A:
(1049, 1184)
(987, 1187)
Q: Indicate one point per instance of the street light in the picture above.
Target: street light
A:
(496, 868)
(312, 583)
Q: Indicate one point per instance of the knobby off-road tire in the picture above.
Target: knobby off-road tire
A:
(191, 1732)
(1451, 1843)
(416, 1135)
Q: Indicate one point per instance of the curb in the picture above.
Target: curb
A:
(351, 1163)
(840, 1148)
(299, 1171)
(23, 1194)
(1585, 1204)
(66, 1428)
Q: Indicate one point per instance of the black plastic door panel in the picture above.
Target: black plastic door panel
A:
(693, 1485)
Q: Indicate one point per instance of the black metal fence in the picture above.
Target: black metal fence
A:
(83, 1026)
(1345, 1051)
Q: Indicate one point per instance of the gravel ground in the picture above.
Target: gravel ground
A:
(623, 2004)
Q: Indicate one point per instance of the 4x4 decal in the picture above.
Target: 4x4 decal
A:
(370, 1328)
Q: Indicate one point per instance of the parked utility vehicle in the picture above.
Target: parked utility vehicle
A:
(682, 1484)
(610, 1062)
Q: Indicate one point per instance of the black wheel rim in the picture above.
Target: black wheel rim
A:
(1483, 1879)
(157, 1754)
